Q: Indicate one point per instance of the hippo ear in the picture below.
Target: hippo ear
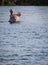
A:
(19, 13)
(11, 10)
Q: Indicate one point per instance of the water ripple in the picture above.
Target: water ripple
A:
(25, 43)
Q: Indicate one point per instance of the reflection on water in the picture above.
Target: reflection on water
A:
(25, 43)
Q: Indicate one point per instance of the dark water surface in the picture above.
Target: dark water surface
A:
(24, 43)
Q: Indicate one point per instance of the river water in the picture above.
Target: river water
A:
(24, 43)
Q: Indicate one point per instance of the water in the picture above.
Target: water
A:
(24, 43)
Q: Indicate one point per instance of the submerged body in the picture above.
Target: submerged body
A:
(14, 18)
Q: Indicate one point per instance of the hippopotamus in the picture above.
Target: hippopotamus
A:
(14, 18)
